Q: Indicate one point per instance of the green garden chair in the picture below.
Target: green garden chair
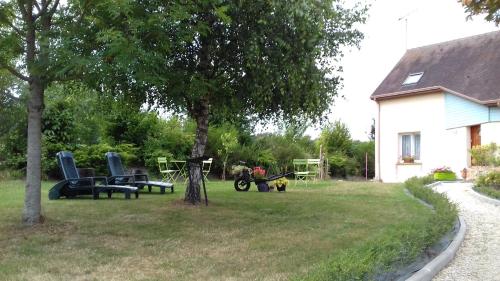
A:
(300, 170)
(305, 169)
(168, 175)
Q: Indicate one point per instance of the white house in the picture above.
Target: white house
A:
(438, 102)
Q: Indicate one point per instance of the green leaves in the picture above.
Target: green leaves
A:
(490, 8)
(267, 58)
(221, 13)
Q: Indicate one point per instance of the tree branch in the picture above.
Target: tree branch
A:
(14, 72)
(45, 7)
(54, 7)
(23, 9)
(37, 7)
(17, 30)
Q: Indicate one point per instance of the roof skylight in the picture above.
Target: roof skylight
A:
(413, 78)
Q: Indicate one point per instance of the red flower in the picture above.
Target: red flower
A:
(259, 172)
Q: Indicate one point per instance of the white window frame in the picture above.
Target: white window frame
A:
(412, 146)
(413, 78)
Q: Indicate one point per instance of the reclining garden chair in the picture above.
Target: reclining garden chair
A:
(118, 175)
(74, 185)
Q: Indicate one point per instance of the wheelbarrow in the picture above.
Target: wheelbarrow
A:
(244, 180)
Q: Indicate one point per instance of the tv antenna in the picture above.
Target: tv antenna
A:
(405, 18)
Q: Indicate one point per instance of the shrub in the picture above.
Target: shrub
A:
(360, 149)
(277, 152)
(491, 179)
(50, 168)
(151, 159)
(342, 165)
(92, 156)
(486, 155)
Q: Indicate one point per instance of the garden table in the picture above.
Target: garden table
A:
(181, 169)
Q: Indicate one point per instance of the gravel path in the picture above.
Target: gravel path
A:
(479, 255)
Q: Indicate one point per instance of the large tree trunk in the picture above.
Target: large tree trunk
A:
(193, 194)
(32, 200)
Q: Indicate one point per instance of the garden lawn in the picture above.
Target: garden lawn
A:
(240, 236)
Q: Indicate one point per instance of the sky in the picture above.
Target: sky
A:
(386, 40)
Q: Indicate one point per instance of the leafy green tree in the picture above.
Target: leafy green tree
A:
(265, 59)
(336, 138)
(29, 40)
(12, 122)
(489, 7)
(229, 143)
(88, 108)
(12, 113)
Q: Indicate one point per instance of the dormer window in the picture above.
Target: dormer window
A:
(413, 78)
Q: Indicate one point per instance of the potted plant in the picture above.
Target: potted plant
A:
(444, 174)
(280, 184)
(237, 170)
(408, 159)
(259, 175)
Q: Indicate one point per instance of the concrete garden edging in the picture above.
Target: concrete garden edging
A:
(444, 258)
(485, 198)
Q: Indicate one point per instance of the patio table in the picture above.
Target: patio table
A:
(180, 169)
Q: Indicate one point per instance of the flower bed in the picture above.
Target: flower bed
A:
(489, 184)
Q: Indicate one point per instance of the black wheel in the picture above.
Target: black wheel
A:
(241, 185)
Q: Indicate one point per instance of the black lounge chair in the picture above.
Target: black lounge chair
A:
(74, 185)
(118, 175)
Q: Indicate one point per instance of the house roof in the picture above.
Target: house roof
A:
(467, 67)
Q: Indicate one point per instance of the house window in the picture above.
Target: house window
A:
(413, 78)
(410, 145)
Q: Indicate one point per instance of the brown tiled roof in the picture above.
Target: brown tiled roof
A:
(468, 67)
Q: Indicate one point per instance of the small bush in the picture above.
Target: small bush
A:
(92, 156)
(486, 155)
(491, 179)
(342, 165)
(489, 184)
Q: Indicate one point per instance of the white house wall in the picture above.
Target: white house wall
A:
(439, 147)
(490, 132)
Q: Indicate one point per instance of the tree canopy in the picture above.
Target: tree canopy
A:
(489, 7)
(269, 60)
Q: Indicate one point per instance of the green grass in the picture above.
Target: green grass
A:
(488, 191)
(240, 236)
